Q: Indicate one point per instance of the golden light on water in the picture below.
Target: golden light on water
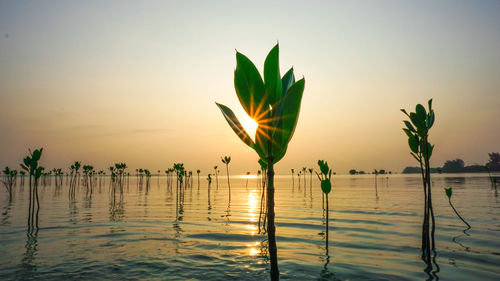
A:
(253, 209)
(248, 176)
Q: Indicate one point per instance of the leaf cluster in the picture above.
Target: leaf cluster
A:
(273, 102)
(417, 130)
(325, 176)
(30, 163)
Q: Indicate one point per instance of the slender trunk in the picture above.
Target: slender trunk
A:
(468, 225)
(228, 183)
(271, 229)
(429, 195)
(327, 230)
(37, 202)
(29, 207)
(425, 228)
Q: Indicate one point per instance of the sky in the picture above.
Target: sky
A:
(137, 81)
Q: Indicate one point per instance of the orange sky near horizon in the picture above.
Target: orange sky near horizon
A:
(120, 81)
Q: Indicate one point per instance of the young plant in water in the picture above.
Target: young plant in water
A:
(198, 172)
(274, 103)
(10, 176)
(417, 129)
(226, 160)
(449, 192)
(216, 177)
(30, 164)
(326, 186)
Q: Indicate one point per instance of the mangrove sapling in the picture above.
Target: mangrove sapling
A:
(216, 177)
(30, 164)
(274, 104)
(246, 184)
(417, 129)
(226, 160)
(304, 170)
(310, 178)
(209, 179)
(449, 192)
(326, 186)
(9, 180)
(293, 180)
(198, 172)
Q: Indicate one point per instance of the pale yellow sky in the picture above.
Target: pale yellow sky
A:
(110, 81)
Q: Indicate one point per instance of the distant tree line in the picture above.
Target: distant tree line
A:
(379, 172)
(458, 166)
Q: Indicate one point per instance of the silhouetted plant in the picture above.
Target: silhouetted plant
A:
(326, 186)
(226, 160)
(417, 130)
(216, 177)
(310, 178)
(30, 164)
(10, 176)
(304, 170)
(209, 179)
(449, 192)
(274, 103)
(293, 180)
(246, 184)
(198, 172)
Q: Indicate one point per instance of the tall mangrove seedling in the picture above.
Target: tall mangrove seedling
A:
(274, 103)
(326, 186)
(226, 160)
(30, 164)
(417, 129)
(449, 192)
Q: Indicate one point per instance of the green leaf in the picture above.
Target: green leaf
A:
(449, 192)
(235, 125)
(431, 119)
(249, 87)
(36, 155)
(409, 126)
(272, 77)
(420, 111)
(407, 132)
(291, 108)
(287, 81)
(326, 186)
(430, 105)
(413, 143)
(415, 156)
(419, 123)
(404, 111)
(430, 148)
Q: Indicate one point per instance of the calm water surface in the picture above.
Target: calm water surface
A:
(374, 233)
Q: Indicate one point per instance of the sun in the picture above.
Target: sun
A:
(249, 125)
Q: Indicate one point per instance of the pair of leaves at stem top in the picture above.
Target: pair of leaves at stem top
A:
(226, 159)
(30, 163)
(273, 102)
(417, 130)
(325, 177)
